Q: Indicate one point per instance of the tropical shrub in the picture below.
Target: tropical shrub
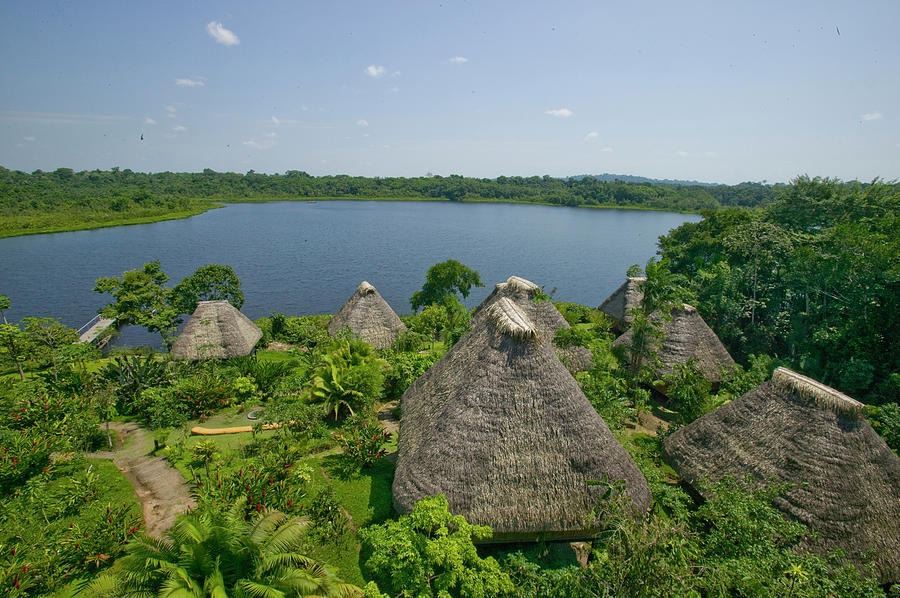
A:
(258, 557)
(362, 440)
(886, 420)
(132, 375)
(326, 515)
(405, 369)
(430, 553)
(688, 391)
(350, 377)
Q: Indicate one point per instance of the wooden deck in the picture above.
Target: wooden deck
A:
(96, 329)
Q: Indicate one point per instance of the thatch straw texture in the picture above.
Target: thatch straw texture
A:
(627, 297)
(686, 337)
(216, 330)
(846, 481)
(501, 428)
(544, 314)
(368, 316)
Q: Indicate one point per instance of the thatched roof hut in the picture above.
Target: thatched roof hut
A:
(845, 480)
(627, 297)
(368, 315)
(686, 337)
(216, 330)
(544, 315)
(501, 428)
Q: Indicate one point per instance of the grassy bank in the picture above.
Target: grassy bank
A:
(37, 224)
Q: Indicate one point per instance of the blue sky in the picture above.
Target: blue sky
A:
(712, 91)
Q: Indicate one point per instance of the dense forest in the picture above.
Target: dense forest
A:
(65, 199)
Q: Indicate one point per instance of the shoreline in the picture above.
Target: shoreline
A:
(217, 202)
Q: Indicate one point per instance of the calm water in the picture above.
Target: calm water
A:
(306, 258)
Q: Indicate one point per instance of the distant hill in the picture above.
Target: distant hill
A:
(627, 178)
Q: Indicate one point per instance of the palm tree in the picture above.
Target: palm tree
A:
(219, 555)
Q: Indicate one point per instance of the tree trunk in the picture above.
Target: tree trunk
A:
(108, 436)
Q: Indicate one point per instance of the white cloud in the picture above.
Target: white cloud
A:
(275, 120)
(304, 108)
(224, 36)
(374, 70)
(592, 137)
(607, 149)
(561, 112)
(362, 122)
(179, 128)
(872, 116)
(458, 60)
(29, 138)
(395, 89)
(271, 135)
(149, 121)
(61, 118)
(264, 143)
(188, 82)
(171, 111)
(682, 154)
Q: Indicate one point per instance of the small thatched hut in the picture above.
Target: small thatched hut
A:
(627, 297)
(686, 337)
(544, 315)
(501, 428)
(216, 330)
(368, 315)
(845, 480)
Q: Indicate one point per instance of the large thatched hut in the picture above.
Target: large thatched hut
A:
(368, 315)
(501, 428)
(544, 315)
(619, 305)
(686, 336)
(216, 330)
(845, 481)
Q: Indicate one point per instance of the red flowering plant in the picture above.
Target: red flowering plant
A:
(97, 537)
(23, 453)
(270, 481)
(363, 440)
(16, 575)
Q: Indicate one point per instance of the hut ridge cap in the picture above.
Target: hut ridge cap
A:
(505, 316)
(820, 394)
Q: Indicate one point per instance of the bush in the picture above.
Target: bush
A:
(886, 420)
(688, 391)
(430, 553)
(362, 440)
(405, 369)
(326, 515)
(575, 313)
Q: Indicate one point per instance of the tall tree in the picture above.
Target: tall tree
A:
(141, 299)
(208, 283)
(445, 279)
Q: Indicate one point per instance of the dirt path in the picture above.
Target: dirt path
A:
(386, 416)
(163, 492)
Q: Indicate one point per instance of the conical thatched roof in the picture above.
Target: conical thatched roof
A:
(501, 428)
(216, 330)
(544, 315)
(686, 337)
(369, 316)
(627, 297)
(792, 429)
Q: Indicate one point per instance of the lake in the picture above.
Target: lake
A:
(303, 258)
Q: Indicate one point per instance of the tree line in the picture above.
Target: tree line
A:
(121, 190)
